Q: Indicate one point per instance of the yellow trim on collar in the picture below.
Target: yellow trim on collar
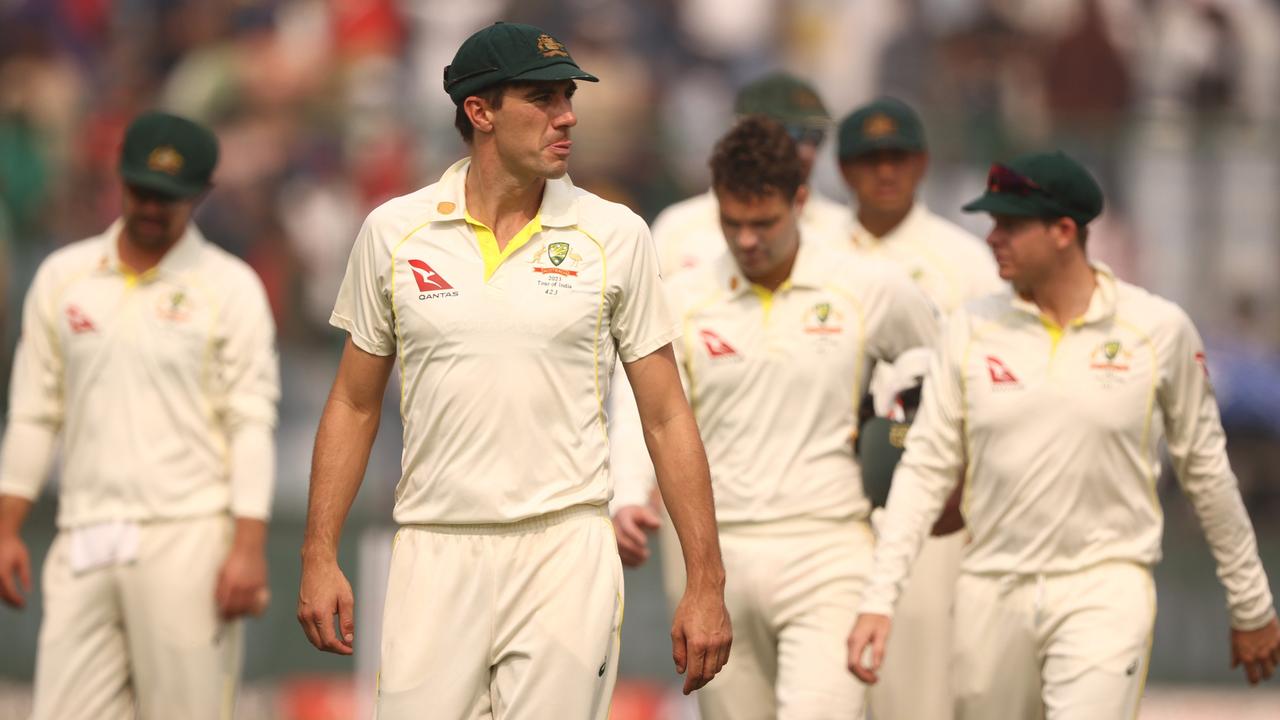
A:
(766, 295)
(493, 257)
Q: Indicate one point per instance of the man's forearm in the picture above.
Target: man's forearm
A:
(343, 444)
(684, 480)
(13, 513)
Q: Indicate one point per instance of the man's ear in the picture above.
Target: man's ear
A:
(802, 196)
(479, 112)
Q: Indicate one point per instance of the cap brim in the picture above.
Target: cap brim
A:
(866, 147)
(160, 183)
(1004, 204)
(557, 71)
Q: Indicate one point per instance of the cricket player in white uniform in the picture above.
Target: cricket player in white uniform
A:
(506, 294)
(152, 354)
(883, 158)
(779, 337)
(1057, 394)
(688, 233)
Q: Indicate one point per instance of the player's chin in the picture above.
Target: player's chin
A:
(556, 169)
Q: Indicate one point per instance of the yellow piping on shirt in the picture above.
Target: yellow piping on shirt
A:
(595, 346)
(1151, 406)
(395, 316)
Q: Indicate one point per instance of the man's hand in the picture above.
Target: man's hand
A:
(870, 632)
(325, 592)
(15, 570)
(242, 583)
(1258, 650)
(701, 635)
(633, 524)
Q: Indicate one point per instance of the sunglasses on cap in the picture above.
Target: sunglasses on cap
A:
(1001, 179)
(806, 134)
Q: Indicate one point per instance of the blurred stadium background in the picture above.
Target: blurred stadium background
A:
(327, 107)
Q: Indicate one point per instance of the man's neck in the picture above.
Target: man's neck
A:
(138, 258)
(499, 199)
(880, 224)
(1065, 294)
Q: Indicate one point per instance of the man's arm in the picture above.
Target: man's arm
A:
(1197, 445)
(15, 563)
(634, 516)
(348, 427)
(701, 634)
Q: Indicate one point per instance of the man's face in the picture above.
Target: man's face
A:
(154, 221)
(885, 181)
(808, 140)
(1025, 248)
(761, 231)
(532, 128)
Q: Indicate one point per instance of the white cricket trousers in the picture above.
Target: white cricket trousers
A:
(1070, 646)
(792, 591)
(915, 681)
(516, 621)
(141, 639)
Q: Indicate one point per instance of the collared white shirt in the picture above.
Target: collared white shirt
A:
(163, 385)
(775, 378)
(949, 264)
(688, 233)
(1060, 428)
(505, 357)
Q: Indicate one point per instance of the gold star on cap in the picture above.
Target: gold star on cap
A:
(165, 159)
(551, 47)
(879, 125)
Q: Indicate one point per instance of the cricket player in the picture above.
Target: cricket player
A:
(883, 157)
(506, 294)
(688, 233)
(151, 353)
(779, 336)
(1057, 394)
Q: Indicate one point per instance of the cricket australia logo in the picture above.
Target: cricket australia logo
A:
(822, 319)
(174, 307)
(556, 264)
(1110, 356)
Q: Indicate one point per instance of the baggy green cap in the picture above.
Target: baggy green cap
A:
(784, 97)
(880, 447)
(1042, 185)
(508, 51)
(883, 124)
(168, 154)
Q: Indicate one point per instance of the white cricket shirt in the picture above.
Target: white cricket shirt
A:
(163, 385)
(1061, 429)
(505, 357)
(775, 378)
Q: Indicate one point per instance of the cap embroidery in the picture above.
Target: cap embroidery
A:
(879, 125)
(165, 159)
(551, 47)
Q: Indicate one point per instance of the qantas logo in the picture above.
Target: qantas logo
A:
(80, 323)
(430, 283)
(716, 345)
(1001, 376)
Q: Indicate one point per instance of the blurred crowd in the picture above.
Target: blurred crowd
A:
(325, 108)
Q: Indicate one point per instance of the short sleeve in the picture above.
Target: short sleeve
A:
(641, 320)
(364, 307)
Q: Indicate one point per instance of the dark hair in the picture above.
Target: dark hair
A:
(492, 95)
(755, 158)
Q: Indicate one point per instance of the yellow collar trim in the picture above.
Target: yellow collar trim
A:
(493, 257)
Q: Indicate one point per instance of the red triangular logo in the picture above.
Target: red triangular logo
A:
(428, 279)
(716, 345)
(1000, 375)
(80, 323)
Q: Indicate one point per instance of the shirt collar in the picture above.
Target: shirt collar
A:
(1102, 304)
(448, 201)
(864, 239)
(180, 257)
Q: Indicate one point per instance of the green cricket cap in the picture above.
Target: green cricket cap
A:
(168, 154)
(785, 98)
(883, 124)
(1043, 185)
(880, 446)
(508, 51)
